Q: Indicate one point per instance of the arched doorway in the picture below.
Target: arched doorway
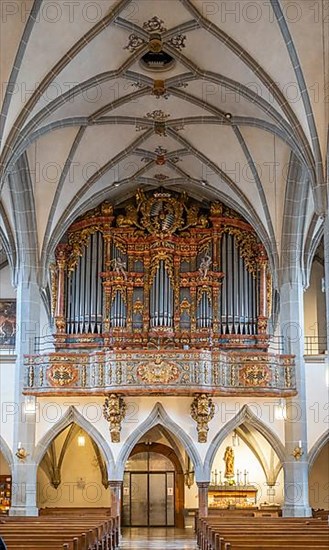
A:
(153, 487)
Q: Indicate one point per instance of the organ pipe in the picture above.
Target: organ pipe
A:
(228, 297)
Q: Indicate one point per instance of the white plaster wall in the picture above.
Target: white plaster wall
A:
(315, 307)
(317, 399)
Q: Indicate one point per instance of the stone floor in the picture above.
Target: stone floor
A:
(157, 538)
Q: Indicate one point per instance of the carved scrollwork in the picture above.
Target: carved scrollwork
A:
(78, 240)
(114, 411)
(248, 243)
(202, 411)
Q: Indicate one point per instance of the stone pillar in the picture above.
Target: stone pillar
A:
(115, 488)
(24, 494)
(203, 497)
(326, 275)
(296, 503)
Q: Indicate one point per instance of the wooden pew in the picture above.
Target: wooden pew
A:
(73, 533)
(230, 533)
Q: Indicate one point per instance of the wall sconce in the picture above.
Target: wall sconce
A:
(21, 453)
(280, 412)
(298, 451)
(81, 483)
(189, 478)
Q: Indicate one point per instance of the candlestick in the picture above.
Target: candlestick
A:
(220, 477)
(238, 476)
(245, 477)
(215, 477)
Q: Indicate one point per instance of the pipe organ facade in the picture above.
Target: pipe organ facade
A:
(161, 270)
(161, 293)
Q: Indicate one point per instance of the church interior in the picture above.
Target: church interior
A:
(164, 274)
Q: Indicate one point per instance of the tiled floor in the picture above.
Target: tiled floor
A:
(157, 539)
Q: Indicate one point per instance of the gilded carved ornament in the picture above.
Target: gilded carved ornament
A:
(54, 287)
(114, 411)
(202, 411)
(77, 242)
(269, 291)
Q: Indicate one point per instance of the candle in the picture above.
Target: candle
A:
(19, 444)
(220, 477)
(300, 444)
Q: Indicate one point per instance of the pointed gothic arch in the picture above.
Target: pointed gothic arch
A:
(317, 448)
(6, 452)
(71, 416)
(157, 416)
(244, 416)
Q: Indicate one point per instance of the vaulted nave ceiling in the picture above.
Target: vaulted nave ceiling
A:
(83, 107)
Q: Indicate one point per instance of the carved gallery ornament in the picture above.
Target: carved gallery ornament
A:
(158, 372)
(114, 411)
(202, 411)
(256, 375)
(62, 375)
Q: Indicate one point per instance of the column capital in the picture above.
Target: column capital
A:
(115, 484)
(203, 484)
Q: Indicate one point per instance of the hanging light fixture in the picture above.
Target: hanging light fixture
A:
(280, 410)
(81, 440)
(235, 439)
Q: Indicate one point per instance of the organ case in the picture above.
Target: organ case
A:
(161, 270)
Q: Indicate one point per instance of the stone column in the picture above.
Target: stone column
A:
(115, 488)
(24, 497)
(116, 491)
(326, 275)
(24, 493)
(296, 503)
(203, 497)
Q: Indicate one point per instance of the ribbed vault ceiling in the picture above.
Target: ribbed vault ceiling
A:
(79, 104)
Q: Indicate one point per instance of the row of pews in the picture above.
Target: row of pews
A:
(262, 533)
(67, 532)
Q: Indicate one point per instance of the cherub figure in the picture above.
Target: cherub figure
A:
(119, 267)
(204, 266)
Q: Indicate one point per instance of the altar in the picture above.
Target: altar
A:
(232, 496)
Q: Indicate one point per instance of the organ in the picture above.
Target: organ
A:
(161, 270)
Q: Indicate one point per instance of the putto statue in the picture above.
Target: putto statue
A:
(119, 267)
(204, 266)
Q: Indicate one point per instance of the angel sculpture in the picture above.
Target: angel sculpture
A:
(204, 266)
(119, 267)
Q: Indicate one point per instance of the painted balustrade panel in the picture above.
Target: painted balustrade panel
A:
(173, 372)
